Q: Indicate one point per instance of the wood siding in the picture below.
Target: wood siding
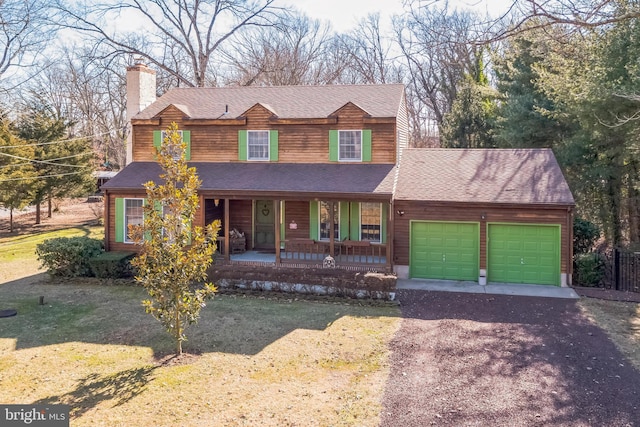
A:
(297, 143)
(298, 211)
(416, 211)
(241, 218)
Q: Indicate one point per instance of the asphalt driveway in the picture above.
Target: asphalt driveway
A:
(464, 359)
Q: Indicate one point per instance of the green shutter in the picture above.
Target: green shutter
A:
(157, 142)
(333, 145)
(366, 145)
(186, 137)
(344, 220)
(242, 145)
(273, 145)
(314, 226)
(355, 221)
(119, 220)
(383, 226)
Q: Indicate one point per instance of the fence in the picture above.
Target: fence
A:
(625, 271)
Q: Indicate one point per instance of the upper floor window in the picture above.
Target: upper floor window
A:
(185, 136)
(350, 145)
(133, 215)
(370, 222)
(326, 217)
(258, 145)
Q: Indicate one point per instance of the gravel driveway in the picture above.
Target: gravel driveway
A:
(492, 360)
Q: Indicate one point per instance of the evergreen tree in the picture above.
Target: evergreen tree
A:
(471, 121)
(65, 167)
(17, 175)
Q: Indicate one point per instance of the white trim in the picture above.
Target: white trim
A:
(361, 145)
(124, 219)
(360, 228)
(262, 159)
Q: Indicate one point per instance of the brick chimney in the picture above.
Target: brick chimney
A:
(141, 92)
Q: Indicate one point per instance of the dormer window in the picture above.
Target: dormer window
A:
(185, 135)
(350, 145)
(258, 145)
(177, 152)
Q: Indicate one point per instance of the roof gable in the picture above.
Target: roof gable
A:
(349, 108)
(172, 109)
(260, 109)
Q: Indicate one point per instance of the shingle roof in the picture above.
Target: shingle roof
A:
(286, 101)
(521, 176)
(271, 177)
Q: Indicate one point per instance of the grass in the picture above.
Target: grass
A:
(252, 361)
(621, 321)
(17, 253)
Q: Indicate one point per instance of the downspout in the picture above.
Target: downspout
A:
(107, 220)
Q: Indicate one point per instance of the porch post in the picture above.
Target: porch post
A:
(227, 255)
(390, 226)
(276, 206)
(331, 229)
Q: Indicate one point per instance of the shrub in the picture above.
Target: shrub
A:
(585, 235)
(68, 256)
(589, 269)
(112, 265)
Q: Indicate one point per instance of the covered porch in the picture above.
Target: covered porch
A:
(355, 234)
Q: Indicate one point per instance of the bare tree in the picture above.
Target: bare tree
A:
(90, 94)
(437, 46)
(24, 32)
(180, 38)
(367, 53)
(293, 52)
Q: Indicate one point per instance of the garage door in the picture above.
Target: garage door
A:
(520, 253)
(444, 250)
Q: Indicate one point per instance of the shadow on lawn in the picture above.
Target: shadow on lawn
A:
(93, 389)
(506, 361)
(84, 311)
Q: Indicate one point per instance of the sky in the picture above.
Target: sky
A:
(345, 14)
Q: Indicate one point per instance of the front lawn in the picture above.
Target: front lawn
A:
(17, 253)
(253, 360)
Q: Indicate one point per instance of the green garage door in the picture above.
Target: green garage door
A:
(444, 250)
(523, 254)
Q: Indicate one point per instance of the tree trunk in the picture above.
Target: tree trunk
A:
(37, 212)
(633, 204)
(11, 220)
(50, 211)
(178, 334)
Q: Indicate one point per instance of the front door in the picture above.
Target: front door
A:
(265, 229)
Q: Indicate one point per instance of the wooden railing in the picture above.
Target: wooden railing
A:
(347, 252)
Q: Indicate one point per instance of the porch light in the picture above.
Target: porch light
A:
(400, 212)
(216, 202)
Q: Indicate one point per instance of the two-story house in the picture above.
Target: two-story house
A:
(303, 172)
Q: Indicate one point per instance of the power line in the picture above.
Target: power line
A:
(61, 140)
(38, 177)
(46, 162)
(36, 160)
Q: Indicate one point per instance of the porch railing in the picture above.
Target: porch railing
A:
(346, 252)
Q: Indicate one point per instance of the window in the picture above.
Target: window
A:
(370, 222)
(350, 145)
(258, 145)
(326, 217)
(133, 215)
(178, 153)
